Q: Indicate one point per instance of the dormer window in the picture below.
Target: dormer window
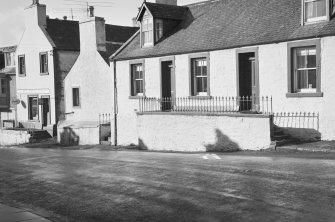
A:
(147, 31)
(315, 10)
(158, 29)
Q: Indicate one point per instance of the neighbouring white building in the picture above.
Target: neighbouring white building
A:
(7, 87)
(89, 86)
(201, 56)
(45, 54)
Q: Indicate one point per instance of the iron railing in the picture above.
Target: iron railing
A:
(105, 118)
(303, 120)
(215, 104)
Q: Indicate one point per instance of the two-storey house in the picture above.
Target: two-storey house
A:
(89, 91)
(225, 55)
(44, 56)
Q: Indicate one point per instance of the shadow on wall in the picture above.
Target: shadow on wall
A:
(223, 144)
(69, 138)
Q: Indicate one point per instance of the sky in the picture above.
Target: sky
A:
(118, 12)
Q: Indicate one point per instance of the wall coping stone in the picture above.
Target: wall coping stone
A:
(207, 114)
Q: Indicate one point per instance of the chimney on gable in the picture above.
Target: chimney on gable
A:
(167, 2)
(93, 34)
(35, 14)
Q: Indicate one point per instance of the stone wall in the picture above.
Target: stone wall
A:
(201, 133)
(11, 137)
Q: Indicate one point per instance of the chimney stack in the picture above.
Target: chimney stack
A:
(167, 2)
(65, 17)
(35, 14)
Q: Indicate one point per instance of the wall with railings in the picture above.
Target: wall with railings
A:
(198, 132)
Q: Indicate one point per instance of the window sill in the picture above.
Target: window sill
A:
(137, 97)
(22, 75)
(44, 74)
(76, 107)
(200, 97)
(297, 95)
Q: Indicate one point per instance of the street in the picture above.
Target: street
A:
(104, 185)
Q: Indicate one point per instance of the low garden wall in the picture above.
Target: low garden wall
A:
(12, 137)
(199, 133)
(71, 133)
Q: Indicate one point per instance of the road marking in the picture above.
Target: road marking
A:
(216, 157)
(211, 156)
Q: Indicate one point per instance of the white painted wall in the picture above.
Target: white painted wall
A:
(272, 76)
(197, 133)
(95, 79)
(32, 43)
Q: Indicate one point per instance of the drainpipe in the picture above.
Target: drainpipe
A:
(115, 104)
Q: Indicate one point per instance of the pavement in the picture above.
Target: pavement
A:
(321, 146)
(127, 186)
(12, 214)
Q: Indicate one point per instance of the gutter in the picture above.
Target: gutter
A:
(115, 104)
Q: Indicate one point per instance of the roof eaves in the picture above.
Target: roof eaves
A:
(223, 48)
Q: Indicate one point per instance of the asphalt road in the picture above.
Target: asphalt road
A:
(95, 185)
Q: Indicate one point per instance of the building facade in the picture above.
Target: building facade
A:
(89, 89)
(46, 53)
(8, 99)
(231, 49)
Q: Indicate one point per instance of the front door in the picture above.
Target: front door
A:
(45, 111)
(248, 82)
(167, 93)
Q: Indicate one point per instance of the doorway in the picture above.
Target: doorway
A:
(167, 87)
(248, 81)
(46, 117)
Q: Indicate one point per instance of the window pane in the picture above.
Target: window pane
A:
(33, 108)
(302, 79)
(75, 95)
(311, 61)
(200, 85)
(314, 9)
(139, 86)
(3, 86)
(312, 79)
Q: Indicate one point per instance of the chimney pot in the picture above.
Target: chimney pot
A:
(65, 17)
(91, 11)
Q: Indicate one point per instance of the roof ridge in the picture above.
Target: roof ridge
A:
(201, 3)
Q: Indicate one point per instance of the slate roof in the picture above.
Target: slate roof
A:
(64, 33)
(166, 11)
(115, 33)
(224, 24)
(8, 49)
(8, 71)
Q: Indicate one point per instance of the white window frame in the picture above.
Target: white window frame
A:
(21, 57)
(44, 68)
(12, 59)
(134, 92)
(147, 27)
(158, 29)
(194, 92)
(316, 19)
(73, 98)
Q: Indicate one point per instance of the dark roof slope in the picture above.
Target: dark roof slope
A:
(64, 33)
(166, 11)
(223, 24)
(115, 37)
(115, 33)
